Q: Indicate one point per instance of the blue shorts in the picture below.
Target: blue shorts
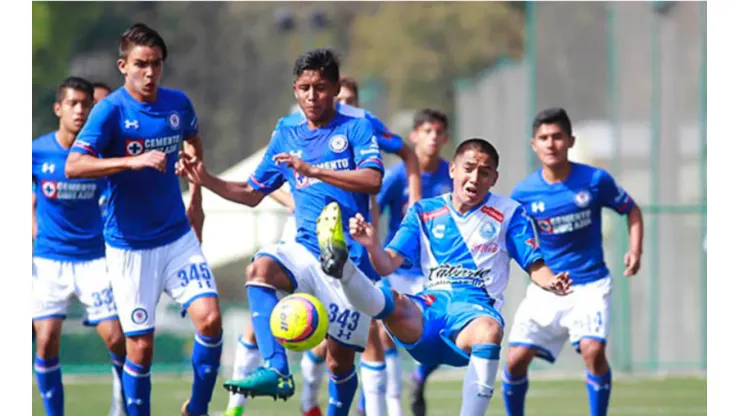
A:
(445, 315)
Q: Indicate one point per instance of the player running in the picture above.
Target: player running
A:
(565, 199)
(68, 251)
(464, 242)
(152, 238)
(247, 357)
(331, 157)
(429, 136)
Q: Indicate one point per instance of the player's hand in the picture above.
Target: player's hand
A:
(191, 168)
(362, 231)
(632, 263)
(153, 159)
(295, 162)
(560, 284)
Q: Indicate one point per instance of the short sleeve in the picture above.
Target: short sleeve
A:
(522, 241)
(387, 141)
(407, 240)
(97, 131)
(365, 146)
(268, 177)
(612, 195)
(389, 190)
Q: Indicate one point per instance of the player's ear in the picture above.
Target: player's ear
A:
(495, 178)
(452, 169)
(532, 144)
(121, 64)
(57, 108)
(571, 141)
(413, 137)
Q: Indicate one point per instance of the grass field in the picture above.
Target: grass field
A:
(631, 396)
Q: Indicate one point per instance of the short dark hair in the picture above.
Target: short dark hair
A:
(351, 83)
(476, 143)
(74, 83)
(140, 35)
(428, 115)
(323, 60)
(555, 115)
(102, 85)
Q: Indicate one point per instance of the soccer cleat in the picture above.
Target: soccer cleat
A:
(263, 381)
(234, 411)
(316, 411)
(418, 404)
(332, 246)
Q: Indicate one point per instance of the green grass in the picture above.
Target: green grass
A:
(90, 396)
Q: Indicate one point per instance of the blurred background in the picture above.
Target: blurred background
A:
(631, 75)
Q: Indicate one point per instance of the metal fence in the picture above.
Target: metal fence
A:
(632, 76)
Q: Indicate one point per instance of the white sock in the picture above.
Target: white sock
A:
(395, 382)
(312, 372)
(479, 379)
(362, 293)
(373, 378)
(116, 403)
(246, 359)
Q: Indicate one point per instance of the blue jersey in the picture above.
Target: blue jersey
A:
(346, 143)
(146, 209)
(387, 141)
(568, 216)
(68, 220)
(467, 254)
(394, 197)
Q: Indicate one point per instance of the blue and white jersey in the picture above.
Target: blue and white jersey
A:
(467, 253)
(68, 220)
(387, 141)
(568, 216)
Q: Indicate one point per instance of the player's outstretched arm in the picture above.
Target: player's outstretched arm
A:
(386, 261)
(191, 168)
(636, 228)
(80, 165)
(363, 180)
(413, 172)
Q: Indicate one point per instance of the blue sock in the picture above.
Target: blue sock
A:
(515, 390)
(341, 392)
(206, 361)
(262, 301)
(599, 389)
(49, 378)
(117, 362)
(423, 371)
(137, 384)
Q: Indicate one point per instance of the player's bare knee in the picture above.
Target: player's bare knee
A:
(208, 322)
(47, 342)
(140, 349)
(339, 359)
(482, 330)
(594, 356)
(264, 271)
(518, 359)
(113, 338)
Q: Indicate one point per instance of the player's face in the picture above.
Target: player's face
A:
(429, 138)
(473, 173)
(100, 93)
(73, 110)
(142, 70)
(315, 95)
(347, 96)
(551, 144)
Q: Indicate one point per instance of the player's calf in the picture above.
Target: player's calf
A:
(342, 378)
(47, 366)
(598, 375)
(112, 335)
(515, 383)
(206, 358)
(482, 340)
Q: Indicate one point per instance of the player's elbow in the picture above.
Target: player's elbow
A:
(73, 169)
(375, 182)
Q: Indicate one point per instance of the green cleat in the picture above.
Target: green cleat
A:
(234, 411)
(332, 245)
(263, 381)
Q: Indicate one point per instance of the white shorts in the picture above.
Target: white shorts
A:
(544, 321)
(347, 326)
(139, 277)
(289, 229)
(55, 282)
(408, 285)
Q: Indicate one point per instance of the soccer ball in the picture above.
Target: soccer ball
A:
(299, 322)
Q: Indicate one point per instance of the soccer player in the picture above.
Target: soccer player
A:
(247, 357)
(102, 90)
(68, 251)
(464, 242)
(330, 157)
(565, 199)
(133, 137)
(429, 135)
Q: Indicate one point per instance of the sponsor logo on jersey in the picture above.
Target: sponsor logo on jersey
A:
(447, 274)
(68, 190)
(302, 181)
(166, 144)
(565, 223)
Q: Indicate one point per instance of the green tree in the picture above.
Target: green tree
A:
(419, 49)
